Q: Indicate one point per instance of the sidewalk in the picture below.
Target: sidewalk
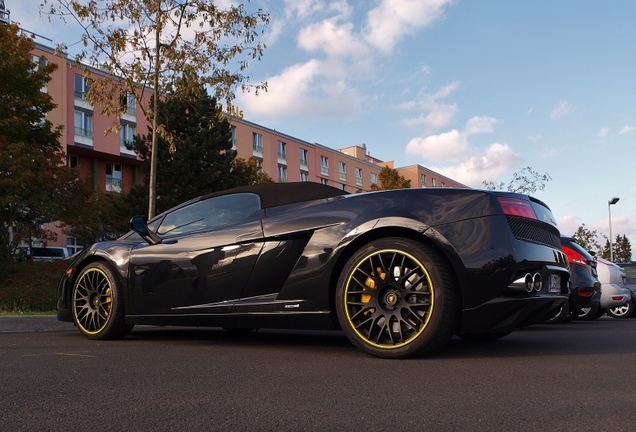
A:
(33, 323)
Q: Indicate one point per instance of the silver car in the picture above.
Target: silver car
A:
(615, 295)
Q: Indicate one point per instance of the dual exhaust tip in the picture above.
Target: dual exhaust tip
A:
(533, 282)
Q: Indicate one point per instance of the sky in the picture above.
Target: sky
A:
(475, 90)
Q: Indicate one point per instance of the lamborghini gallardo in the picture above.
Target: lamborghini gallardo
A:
(399, 272)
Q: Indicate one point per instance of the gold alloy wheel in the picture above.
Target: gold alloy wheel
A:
(388, 298)
(92, 301)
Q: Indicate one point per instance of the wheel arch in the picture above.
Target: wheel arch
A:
(419, 235)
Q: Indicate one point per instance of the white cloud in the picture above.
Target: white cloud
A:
(393, 19)
(439, 116)
(333, 39)
(603, 132)
(301, 90)
(561, 109)
(473, 171)
(479, 124)
(448, 145)
(436, 114)
(626, 129)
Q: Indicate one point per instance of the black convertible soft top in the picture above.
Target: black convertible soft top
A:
(277, 194)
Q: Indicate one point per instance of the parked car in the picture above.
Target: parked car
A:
(44, 253)
(614, 291)
(617, 300)
(398, 271)
(585, 288)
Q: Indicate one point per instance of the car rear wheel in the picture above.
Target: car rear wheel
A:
(397, 298)
(624, 311)
(559, 315)
(587, 313)
(98, 303)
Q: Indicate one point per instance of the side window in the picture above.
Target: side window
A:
(210, 214)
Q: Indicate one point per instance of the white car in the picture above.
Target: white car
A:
(615, 295)
(614, 291)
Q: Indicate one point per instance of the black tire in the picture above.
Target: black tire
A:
(587, 313)
(560, 315)
(97, 302)
(599, 313)
(625, 311)
(397, 298)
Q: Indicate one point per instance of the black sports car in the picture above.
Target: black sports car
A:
(398, 271)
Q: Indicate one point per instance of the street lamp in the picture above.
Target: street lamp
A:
(609, 211)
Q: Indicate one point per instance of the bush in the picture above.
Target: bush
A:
(29, 287)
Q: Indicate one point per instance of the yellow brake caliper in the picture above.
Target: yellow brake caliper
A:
(107, 302)
(370, 283)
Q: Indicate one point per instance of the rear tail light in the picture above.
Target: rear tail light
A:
(574, 257)
(516, 207)
(585, 293)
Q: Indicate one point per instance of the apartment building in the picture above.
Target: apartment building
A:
(115, 169)
(99, 156)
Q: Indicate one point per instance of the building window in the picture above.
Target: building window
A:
(359, 176)
(423, 180)
(342, 171)
(282, 150)
(282, 173)
(81, 87)
(128, 104)
(442, 184)
(257, 142)
(374, 178)
(341, 186)
(113, 177)
(324, 181)
(324, 165)
(73, 161)
(303, 158)
(259, 165)
(433, 182)
(233, 133)
(72, 246)
(39, 62)
(304, 176)
(126, 134)
(83, 124)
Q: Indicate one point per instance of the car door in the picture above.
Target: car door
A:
(206, 256)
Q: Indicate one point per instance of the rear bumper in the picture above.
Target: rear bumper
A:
(503, 314)
(613, 295)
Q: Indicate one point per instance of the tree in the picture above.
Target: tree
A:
(391, 179)
(33, 178)
(34, 189)
(23, 104)
(525, 181)
(587, 238)
(622, 252)
(149, 44)
(92, 215)
(205, 161)
(249, 172)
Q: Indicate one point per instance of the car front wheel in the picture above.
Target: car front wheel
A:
(98, 303)
(397, 298)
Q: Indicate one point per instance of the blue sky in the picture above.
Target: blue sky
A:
(475, 90)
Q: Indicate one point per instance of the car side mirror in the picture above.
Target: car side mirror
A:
(139, 224)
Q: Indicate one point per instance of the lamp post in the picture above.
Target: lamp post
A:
(609, 211)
